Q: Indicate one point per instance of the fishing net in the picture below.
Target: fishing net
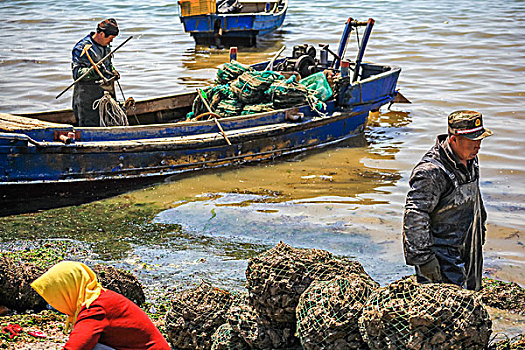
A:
(286, 94)
(225, 338)
(258, 331)
(514, 343)
(276, 278)
(231, 71)
(121, 282)
(328, 313)
(504, 296)
(260, 108)
(195, 314)
(406, 315)
(229, 108)
(15, 285)
(250, 86)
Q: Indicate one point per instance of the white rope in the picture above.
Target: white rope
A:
(110, 112)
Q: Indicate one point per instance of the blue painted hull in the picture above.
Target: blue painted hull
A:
(236, 29)
(34, 158)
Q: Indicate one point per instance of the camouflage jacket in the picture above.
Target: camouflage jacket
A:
(80, 63)
(429, 184)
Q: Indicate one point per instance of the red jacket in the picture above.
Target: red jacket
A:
(115, 321)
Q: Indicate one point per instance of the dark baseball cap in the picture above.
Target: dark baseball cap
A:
(468, 124)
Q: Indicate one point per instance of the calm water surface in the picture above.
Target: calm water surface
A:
(454, 55)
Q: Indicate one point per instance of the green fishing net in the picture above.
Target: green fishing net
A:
(257, 330)
(328, 313)
(277, 278)
(407, 315)
(231, 71)
(195, 314)
(225, 338)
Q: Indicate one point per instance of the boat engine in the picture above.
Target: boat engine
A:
(303, 60)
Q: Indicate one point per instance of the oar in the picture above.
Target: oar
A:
(201, 95)
(96, 65)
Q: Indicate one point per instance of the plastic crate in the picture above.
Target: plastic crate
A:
(197, 7)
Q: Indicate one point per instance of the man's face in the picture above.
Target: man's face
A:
(106, 40)
(465, 149)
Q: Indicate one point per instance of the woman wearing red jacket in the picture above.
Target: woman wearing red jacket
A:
(101, 318)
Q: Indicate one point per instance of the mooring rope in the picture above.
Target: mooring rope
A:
(110, 112)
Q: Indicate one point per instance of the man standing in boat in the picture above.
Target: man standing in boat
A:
(86, 53)
(444, 219)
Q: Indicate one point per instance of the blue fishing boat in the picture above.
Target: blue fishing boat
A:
(251, 18)
(47, 161)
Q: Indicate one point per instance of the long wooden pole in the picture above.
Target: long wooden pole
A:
(96, 65)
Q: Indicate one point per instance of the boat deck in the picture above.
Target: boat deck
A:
(12, 123)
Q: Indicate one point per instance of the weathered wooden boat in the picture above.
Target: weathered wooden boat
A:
(47, 161)
(233, 29)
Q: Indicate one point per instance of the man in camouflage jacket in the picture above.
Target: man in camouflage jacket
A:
(444, 219)
(90, 88)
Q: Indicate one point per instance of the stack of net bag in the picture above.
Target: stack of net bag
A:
(250, 87)
(195, 314)
(277, 278)
(329, 311)
(225, 338)
(407, 315)
(286, 93)
(259, 108)
(257, 330)
(231, 71)
(515, 343)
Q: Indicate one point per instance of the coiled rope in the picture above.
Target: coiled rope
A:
(110, 112)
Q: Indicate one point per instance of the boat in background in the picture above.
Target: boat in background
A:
(208, 27)
(47, 161)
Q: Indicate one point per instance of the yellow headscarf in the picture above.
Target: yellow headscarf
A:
(68, 286)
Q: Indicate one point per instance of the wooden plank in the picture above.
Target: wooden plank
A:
(9, 122)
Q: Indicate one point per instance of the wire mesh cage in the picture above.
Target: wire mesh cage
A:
(225, 338)
(195, 314)
(515, 343)
(407, 315)
(328, 313)
(277, 278)
(231, 71)
(257, 330)
(120, 281)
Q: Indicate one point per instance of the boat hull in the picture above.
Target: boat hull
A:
(36, 162)
(231, 29)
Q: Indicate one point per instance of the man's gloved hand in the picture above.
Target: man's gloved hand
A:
(91, 75)
(431, 270)
(116, 74)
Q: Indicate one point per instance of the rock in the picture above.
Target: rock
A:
(15, 285)
(121, 282)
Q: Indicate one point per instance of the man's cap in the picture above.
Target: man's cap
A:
(468, 124)
(108, 26)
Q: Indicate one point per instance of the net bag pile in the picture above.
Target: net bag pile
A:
(121, 282)
(231, 71)
(329, 311)
(225, 338)
(285, 93)
(257, 330)
(406, 315)
(250, 87)
(515, 343)
(260, 108)
(503, 295)
(277, 278)
(15, 285)
(195, 314)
